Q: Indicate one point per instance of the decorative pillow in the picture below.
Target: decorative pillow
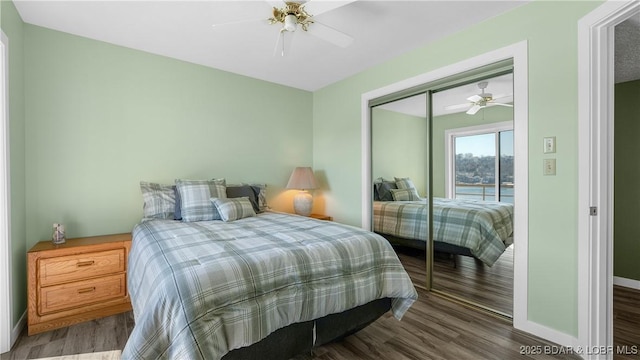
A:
(233, 209)
(194, 198)
(404, 183)
(383, 188)
(405, 195)
(250, 192)
(159, 200)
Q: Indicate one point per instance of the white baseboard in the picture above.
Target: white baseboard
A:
(630, 283)
(15, 333)
(549, 334)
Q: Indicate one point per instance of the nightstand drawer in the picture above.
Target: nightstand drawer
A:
(80, 266)
(81, 293)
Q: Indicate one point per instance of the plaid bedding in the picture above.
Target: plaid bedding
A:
(481, 226)
(202, 289)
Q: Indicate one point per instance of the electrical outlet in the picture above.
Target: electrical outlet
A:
(549, 145)
(549, 167)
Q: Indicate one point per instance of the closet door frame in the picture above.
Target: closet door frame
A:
(518, 54)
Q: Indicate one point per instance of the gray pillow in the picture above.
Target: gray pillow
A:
(248, 191)
(384, 190)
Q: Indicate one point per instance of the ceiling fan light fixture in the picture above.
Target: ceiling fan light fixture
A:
(290, 23)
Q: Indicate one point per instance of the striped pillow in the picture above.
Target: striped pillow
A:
(405, 194)
(194, 198)
(233, 209)
(404, 183)
(159, 200)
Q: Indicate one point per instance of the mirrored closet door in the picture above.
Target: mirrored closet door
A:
(473, 193)
(400, 179)
(443, 185)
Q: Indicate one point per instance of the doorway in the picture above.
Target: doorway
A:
(596, 162)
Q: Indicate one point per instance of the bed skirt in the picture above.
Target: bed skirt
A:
(297, 338)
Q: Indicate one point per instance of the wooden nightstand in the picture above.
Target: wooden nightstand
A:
(321, 217)
(80, 280)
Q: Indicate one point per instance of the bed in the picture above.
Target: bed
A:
(266, 286)
(482, 229)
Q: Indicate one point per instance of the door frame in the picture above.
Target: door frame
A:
(5, 208)
(519, 53)
(595, 164)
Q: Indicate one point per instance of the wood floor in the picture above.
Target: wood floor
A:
(626, 323)
(465, 277)
(434, 328)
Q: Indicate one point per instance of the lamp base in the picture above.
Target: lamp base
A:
(302, 203)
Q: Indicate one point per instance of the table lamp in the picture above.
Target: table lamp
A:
(303, 180)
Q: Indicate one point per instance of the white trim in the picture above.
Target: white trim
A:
(628, 283)
(5, 208)
(449, 134)
(519, 53)
(595, 174)
(17, 330)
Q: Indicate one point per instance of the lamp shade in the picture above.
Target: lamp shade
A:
(302, 179)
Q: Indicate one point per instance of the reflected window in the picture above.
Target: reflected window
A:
(477, 172)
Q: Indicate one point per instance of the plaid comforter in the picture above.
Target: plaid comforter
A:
(481, 226)
(202, 289)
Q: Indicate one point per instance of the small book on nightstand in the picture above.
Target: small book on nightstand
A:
(321, 217)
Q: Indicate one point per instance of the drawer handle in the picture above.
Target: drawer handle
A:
(86, 290)
(85, 263)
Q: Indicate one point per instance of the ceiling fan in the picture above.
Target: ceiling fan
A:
(480, 101)
(292, 16)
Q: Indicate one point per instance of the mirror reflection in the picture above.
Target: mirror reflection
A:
(399, 169)
(473, 187)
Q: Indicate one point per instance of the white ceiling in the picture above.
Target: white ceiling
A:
(183, 30)
(627, 50)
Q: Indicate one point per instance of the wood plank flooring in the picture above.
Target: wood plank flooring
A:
(626, 322)
(434, 328)
(469, 279)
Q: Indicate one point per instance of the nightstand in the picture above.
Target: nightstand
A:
(80, 280)
(321, 217)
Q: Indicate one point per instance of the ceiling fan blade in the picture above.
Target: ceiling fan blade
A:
(457, 106)
(474, 109)
(474, 98)
(330, 34)
(500, 96)
(497, 103)
(317, 7)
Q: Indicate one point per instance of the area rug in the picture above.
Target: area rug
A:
(104, 355)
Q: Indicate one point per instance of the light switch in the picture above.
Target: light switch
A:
(549, 145)
(549, 167)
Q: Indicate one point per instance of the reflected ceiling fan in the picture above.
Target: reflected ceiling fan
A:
(292, 16)
(480, 101)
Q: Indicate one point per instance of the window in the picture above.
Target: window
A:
(474, 171)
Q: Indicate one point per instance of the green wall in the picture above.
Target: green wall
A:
(13, 28)
(553, 87)
(100, 118)
(90, 120)
(399, 147)
(626, 227)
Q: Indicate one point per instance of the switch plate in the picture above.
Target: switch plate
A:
(549, 167)
(549, 145)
